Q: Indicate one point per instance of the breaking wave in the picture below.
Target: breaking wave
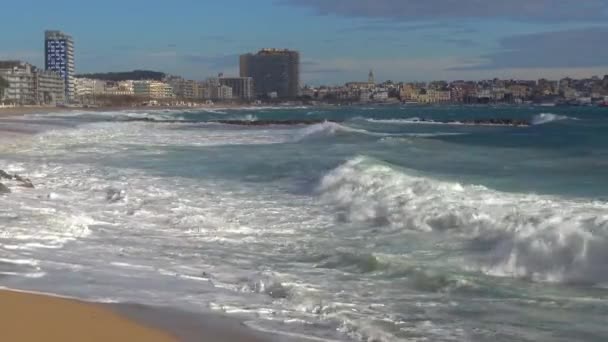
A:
(328, 128)
(541, 238)
(544, 118)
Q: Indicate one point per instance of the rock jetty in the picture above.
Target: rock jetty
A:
(294, 122)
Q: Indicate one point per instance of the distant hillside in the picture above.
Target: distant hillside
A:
(127, 75)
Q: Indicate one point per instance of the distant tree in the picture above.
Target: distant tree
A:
(127, 75)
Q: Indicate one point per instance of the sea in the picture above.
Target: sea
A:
(377, 223)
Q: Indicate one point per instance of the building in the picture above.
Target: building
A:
(28, 85)
(433, 96)
(121, 88)
(87, 87)
(520, 91)
(409, 92)
(153, 90)
(273, 71)
(242, 87)
(371, 80)
(182, 88)
(220, 93)
(49, 87)
(20, 78)
(59, 57)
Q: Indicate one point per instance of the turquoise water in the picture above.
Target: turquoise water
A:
(381, 227)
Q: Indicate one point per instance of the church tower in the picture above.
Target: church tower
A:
(371, 80)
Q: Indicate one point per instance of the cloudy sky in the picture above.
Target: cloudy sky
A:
(340, 40)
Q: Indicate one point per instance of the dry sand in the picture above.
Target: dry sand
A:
(28, 317)
(17, 111)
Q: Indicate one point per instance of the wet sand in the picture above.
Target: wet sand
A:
(28, 317)
(33, 317)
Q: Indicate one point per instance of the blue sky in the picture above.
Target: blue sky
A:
(340, 40)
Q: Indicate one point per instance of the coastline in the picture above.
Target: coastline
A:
(18, 111)
(29, 317)
(59, 319)
(35, 316)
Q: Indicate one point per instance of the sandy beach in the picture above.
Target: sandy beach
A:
(31, 318)
(17, 111)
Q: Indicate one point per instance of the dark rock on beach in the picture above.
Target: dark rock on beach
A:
(4, 189)
(115, 195)
(5, 175)
(23, 182)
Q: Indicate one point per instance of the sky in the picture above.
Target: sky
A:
(339, 40)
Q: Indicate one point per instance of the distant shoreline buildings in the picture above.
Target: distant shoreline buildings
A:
(270, 75)
(28, 85)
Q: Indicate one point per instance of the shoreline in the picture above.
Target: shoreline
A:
(29, 317)
(58, 318)
(6, 112)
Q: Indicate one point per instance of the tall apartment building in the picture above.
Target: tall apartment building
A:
(59, 57)
(273, 71)
(242, 87)
(29, 85)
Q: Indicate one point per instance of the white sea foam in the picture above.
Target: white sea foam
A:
(520, 235)
(544, 118)
(328, 129)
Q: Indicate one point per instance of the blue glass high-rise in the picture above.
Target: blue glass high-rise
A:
(59, 57)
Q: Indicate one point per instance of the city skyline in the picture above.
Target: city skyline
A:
(338, 40)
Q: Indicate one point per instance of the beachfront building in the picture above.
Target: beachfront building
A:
(59, 57)
(220, 92)
(242, 87)
(28, 85)
(273, 71)
(186, 89)
(87, 87)
(520, 91)
(48, 87)
(431, 96)
(20, 80)
(121, 88)
(153, 90)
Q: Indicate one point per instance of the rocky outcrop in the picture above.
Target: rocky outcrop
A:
(4, 189)
(5, 175)
(271, 122)
(25, 182)
(20, 181)
(293, 122)
(115, 195)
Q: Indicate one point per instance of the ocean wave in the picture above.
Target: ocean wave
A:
(542, 238)
(544, 118)
(328, 128)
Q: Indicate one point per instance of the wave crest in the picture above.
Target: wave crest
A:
(544, 118)
(517, 235)
(329, 129)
